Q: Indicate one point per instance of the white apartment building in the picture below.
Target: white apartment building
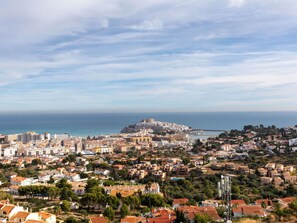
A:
(8, 151)
(45, 151)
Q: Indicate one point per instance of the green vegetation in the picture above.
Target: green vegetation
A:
(109, 213)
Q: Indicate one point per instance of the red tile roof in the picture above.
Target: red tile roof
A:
(133, 219)
(180, 201)
(98, 219)
(249, 210)
(191, 211)
(237, 202)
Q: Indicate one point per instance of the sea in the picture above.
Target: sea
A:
(94, 124)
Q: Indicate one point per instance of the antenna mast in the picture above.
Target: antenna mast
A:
(224, 189)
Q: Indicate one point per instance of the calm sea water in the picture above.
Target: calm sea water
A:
(96, 124)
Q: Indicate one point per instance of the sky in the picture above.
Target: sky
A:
(148, 56)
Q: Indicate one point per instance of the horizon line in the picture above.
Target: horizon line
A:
(139, 112)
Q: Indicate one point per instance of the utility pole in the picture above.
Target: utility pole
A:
(224, 189)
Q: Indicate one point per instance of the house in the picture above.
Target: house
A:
(133, 219)
(8, 210)
(279, 168)
(266, 180)
(46, 175)
(243, 169)
(102, 172)
(264, 202)
(211, 203)
(8, 151)
(289, 169)
(262, 172)
(248, 211)
(237, 202)
(23, 216)
(289, 178)
(15, 213)
(277, 181)
(270, 166)
(226, 147)
(154, 188)
(14, 189)
(191, 211)
(47, 217)
(78, 188)
(274, 173)
(230, 166)
(118, 166)
(284, 202)
(21, 181)
(98, 219)
(180, 201)
(73, 176)
(34, 221)
(162, 216)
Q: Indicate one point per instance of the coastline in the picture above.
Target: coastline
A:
(84, 125)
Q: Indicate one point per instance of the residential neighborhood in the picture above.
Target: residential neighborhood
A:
(150, 177)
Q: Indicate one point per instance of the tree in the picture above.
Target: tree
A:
(293, 206)
(65, 194)
(108, 183)
(152, 200)
(71, 219)
(57, 209)
(83, 175)
(51, 180)
(89, 199)
(186, 160)
(202, 219)
(132, 201)
(291, 190)
(235, 189)
(113, 201)
(65, 206)
(124, 211)
(5, 196)
(53, 192)
(36, 162)
(69, 158)
(68, 195)
(180, 217)
(91, 183)
(109, 213)
(63, 183)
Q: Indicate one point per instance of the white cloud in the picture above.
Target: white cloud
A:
(148, 25)
(148, 49)
(236, 3)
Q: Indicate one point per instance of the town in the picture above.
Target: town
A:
(151, 172)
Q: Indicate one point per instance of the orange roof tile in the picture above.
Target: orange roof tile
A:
(133, 219)
(180, 201)
(98, 219)
(266, 201)
(288, 199)
(34, 221)
(249, 210)
(20, 214)
(7, 208)
(44, 215)
(18, 179)
(191, 211)
(237, 202)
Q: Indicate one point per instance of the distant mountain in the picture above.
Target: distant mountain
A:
(152, 124)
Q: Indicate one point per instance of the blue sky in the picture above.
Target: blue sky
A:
(151, 55)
